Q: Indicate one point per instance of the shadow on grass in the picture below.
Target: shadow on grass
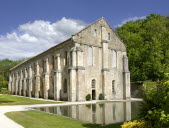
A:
(5, 102)
(100, 126)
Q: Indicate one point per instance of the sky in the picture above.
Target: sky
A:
(29, 27)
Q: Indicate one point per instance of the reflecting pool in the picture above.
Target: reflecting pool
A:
(100, 113)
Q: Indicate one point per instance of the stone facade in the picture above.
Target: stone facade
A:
(92, 61)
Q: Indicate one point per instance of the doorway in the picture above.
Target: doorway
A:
(93, 94)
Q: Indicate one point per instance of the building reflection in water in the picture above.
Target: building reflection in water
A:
(107, 113)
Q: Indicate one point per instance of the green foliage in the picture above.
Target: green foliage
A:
(154, 108)
(101, 96)
(135, 124)
(5, 91)
(157, 118)
(3, 82)
(147, 46)
(88, 97)
(5, 66)
(149, 85)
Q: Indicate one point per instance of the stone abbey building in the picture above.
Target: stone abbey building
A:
(92, 61)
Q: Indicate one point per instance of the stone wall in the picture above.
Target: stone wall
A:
(136, 90)
(102, 70)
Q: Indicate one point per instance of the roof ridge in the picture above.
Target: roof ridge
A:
(114, 32)
(108, 25)
(89, 25)
(48, 50)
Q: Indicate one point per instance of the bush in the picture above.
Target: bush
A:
(3, 82)
(4, 91)
(101, 96)
(136, 124)
(157, 118)
(88, 97)
(154, 108)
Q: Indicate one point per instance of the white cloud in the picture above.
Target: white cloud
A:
(130, 19)
(35, 37)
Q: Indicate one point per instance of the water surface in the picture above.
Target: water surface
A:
(100, 113)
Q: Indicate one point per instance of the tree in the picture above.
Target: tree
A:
(5, 66)
(3, 82)
(154, 108)
(147, 46)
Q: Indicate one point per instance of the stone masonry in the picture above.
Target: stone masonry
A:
(92, 61)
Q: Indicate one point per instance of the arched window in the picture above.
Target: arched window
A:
(26, 72)
(35, 68)
(53, 61)
(108, 36)
(95, 33)
(56, 62)
(65, 86)
(71, 59)
(66, 58)
(90, 56)
(114, 58)
(23, 73)
(44, 65)
(93, 83)
(113, 88)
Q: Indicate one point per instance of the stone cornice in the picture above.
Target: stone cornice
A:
(79, 49)
(126, 71)
(125, 56)
(37, 75)
(57, 55)
(57, 70)
(104, 41)
(76, 68)
(46, 73)
(75, 49)
(91, 45)
(106, 69)
(80, 68)
(72, 68)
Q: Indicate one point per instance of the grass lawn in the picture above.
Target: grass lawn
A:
(14, 100)
(37, 119)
